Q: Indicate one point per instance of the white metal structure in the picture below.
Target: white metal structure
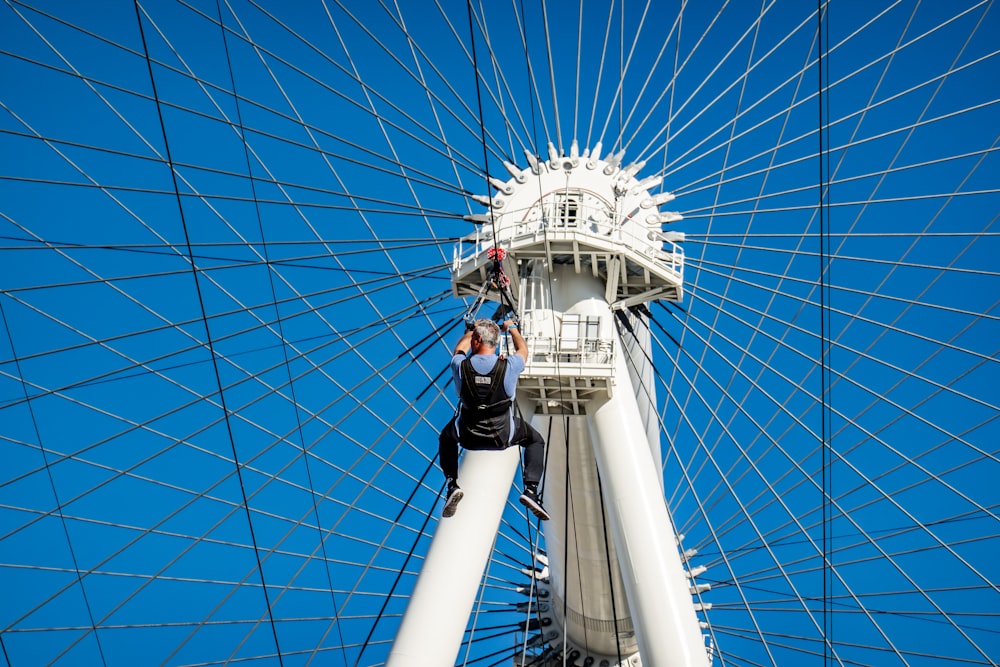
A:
(431, 632)
(585, 239)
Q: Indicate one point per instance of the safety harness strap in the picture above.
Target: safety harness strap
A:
(485, 411)
(488, 403)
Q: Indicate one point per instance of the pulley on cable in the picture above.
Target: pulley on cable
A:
(499, 282)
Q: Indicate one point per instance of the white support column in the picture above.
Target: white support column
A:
(638, 348)
(658, 592)
(430, 634)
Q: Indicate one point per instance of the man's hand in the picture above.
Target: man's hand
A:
(520, 346)
(464, 343)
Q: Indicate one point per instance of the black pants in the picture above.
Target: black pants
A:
(525, 436)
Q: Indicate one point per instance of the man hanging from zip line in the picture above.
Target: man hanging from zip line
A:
(487, 417)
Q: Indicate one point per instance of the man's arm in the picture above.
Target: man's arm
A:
(464, 343)
(520, 346)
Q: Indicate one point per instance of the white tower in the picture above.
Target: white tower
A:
(584, 249)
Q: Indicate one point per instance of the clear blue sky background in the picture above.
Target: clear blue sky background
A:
(323, 155)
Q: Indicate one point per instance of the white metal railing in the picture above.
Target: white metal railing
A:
(570, 356)
(589, 221)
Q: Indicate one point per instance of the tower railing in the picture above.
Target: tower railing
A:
(565, 372)
(590, 225)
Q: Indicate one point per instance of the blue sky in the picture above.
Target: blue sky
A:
(297, 257)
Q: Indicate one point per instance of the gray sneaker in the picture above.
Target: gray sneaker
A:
(451, 499)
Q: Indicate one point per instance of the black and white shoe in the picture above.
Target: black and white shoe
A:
(531, 500)
(452, 499)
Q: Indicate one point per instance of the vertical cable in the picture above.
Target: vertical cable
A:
(822, 67)
(208, 333)
(566, 506)
(552, 77)
(621, 76)
(482, 122)
(533, 543)
(607, 559)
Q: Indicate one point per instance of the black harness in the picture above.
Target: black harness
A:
(484, 412)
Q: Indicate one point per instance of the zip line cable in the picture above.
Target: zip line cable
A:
(482, 123)
(496, 253)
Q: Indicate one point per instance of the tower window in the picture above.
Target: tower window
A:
(567, 209)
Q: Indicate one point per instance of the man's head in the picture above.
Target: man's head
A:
(485, 333)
